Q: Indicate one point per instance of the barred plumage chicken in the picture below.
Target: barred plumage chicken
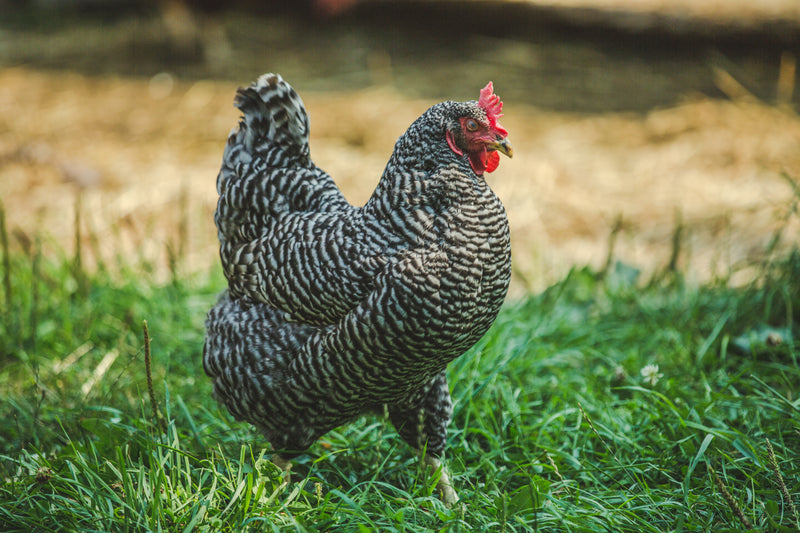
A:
(334, 310)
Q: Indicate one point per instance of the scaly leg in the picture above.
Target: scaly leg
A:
(446, 491)
(423, 425)
(284, 464)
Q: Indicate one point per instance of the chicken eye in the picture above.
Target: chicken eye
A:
(472, 125)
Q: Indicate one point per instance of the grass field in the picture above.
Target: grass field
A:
(605, 403)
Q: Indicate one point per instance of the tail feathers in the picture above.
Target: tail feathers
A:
(275, 119)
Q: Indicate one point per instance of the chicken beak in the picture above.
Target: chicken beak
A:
(503, 146)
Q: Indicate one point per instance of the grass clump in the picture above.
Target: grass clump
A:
(601, 404)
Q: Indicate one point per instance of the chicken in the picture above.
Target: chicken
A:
(333, 311)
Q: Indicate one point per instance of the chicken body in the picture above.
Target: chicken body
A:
(334, 310)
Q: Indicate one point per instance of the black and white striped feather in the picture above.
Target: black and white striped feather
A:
(334, 310)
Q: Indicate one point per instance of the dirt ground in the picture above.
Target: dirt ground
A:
(140, 154)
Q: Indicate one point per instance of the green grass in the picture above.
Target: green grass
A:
(555, 429)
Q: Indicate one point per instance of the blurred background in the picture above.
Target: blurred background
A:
(650, 133)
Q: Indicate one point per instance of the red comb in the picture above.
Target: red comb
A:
(493, 106)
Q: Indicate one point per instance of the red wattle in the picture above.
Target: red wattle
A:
(493, 162)
(481, 161)
(477, 160)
